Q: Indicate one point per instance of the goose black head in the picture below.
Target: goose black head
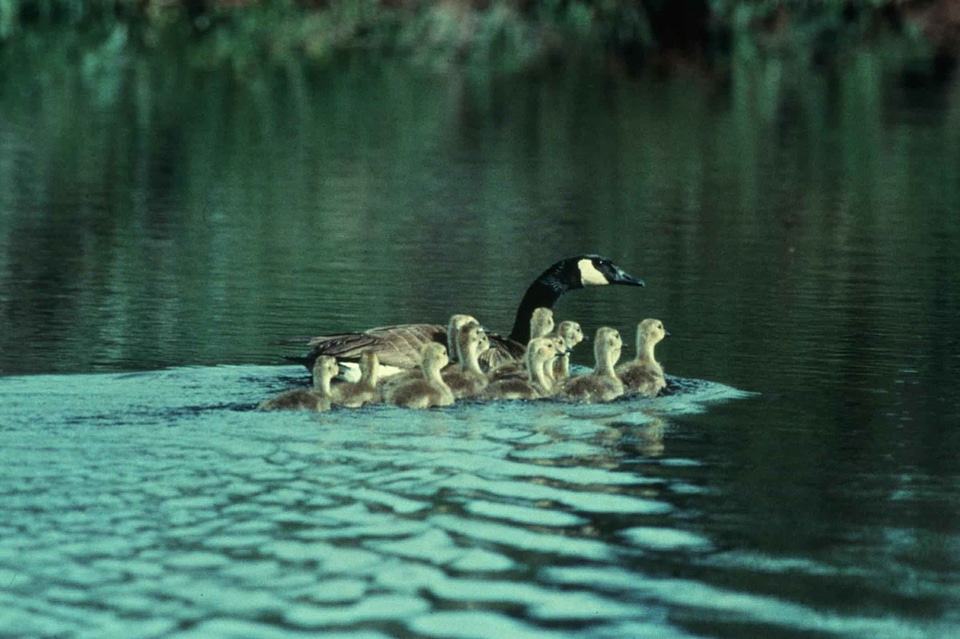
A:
(595, 270)
(585, 270)
(572, 273)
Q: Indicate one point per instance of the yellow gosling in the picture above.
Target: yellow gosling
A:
(536, 385)
(457, 320)
(364, 391)
(571, 334)
(541, 322)
(316, 398)
(468, 379)
(644, 375)
(601, 385)
(429, 391)
(500, 364)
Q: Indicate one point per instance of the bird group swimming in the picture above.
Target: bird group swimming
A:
(428, 365)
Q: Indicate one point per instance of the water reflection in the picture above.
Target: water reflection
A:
(146, 231)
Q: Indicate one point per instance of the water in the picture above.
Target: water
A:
(170, 512)
(160, 228)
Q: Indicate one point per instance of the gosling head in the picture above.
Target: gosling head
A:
(541, 322)
(484, 343)
(325, 367)
(544, 348)
(650, 331)
(558, 344)
(608, 344)
(472, 337)
(433, 357)
(571, 333)
(459, 320)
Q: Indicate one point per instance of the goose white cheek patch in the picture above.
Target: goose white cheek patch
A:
(590, 275)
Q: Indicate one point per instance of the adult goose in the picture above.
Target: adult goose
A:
(399, 346)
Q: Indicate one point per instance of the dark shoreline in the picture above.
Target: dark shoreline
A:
(623, 39)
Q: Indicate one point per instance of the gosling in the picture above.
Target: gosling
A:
(601, 385)
(644, 375)
(541, 323)
(317, 398)
(468, 380)
(571, 334)
(457, 320)
(429, 391)
(499, 365)
(364, 391)
(540, 354)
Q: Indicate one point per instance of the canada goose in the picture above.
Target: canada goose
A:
(399, 346)
(601, 385)
(539, 355)
(644, 374)
(571, 334)
(318, 398)
(468, 379)
(429, 391)
(356, 394)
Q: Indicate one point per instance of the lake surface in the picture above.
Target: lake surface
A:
(160, 228)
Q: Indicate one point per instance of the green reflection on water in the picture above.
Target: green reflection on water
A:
(151, 215)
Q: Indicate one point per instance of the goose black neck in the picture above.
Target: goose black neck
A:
(544, 292)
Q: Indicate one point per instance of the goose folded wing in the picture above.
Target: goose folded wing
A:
(502, 351)
(397, 346)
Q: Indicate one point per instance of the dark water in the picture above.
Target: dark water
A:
(798, 232)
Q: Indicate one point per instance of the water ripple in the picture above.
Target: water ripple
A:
(157, 505)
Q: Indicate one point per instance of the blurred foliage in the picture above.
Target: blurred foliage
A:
(510, 35)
